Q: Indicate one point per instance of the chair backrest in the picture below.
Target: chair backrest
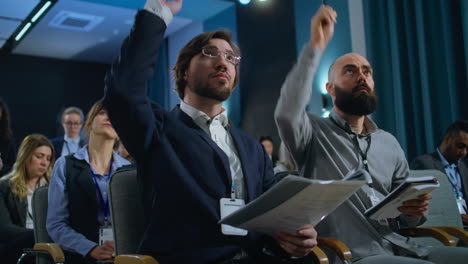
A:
(443, 209)
(39, 213)
(126, 210)
(282, 174)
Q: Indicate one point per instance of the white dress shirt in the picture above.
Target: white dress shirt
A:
(216, 129)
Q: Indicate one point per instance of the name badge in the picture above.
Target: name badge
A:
(105, 234)
(461, 205)
(227, 207)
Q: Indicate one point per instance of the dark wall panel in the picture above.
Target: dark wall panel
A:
(38, 89)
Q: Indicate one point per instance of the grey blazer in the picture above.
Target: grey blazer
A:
(432, 161)
(12, 214)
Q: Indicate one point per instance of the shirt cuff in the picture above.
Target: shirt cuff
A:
(162, 11)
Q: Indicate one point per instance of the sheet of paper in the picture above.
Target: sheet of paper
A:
(287, 209)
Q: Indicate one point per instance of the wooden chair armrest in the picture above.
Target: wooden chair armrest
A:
(337, 246)
(54, 250)
(135, 259)
(435, 232)
(456, 231)
(319, 255)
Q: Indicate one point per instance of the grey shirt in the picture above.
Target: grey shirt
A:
(326, 148)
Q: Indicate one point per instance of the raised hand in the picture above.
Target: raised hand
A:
(322, 27)
(174, 5)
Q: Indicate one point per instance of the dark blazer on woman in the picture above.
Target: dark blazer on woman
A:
(12, 214)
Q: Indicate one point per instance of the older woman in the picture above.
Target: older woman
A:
(78, 216)
(31, 170)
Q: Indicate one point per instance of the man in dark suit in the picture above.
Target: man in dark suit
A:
(72, 121)
(192, 157)
(448, 159)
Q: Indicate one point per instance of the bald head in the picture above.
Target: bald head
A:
(347, 60)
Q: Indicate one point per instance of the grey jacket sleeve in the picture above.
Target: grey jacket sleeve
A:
(291, 118)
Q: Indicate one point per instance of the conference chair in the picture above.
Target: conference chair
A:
(443, 218)
(128, 220)
(44, 248)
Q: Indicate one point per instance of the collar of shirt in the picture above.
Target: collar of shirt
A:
(75, 141)
(117, 160)
(368, 123)
(202, 119)
(445, 162)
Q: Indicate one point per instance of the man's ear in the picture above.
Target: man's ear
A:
(330, 88)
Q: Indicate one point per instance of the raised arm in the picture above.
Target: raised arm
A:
(136, 120)
(293, 124)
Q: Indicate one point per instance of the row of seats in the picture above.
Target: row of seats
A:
(443, 224)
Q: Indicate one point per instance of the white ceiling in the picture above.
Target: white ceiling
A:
(96, 44)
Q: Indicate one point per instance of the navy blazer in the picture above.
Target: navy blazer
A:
(182, 173)
(58, 145)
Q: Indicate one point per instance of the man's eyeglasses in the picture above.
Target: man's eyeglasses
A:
(213, 52)
(72, 124)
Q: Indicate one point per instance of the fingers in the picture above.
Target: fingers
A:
(415, 207)
(109, 244)
(322, 27)
(299, 244)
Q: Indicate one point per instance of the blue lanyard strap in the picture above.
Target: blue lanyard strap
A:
(104, 202)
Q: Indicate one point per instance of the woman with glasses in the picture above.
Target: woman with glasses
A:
(7, 146)
(78, 217)
(32, 169)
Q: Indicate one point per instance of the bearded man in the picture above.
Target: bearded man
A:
(191, 161)
(329, 148)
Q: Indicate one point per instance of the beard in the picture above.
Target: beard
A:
(356, 102)
(218, 90)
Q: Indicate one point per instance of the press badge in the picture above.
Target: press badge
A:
(105, 233)
(227, 207)
(461, 205)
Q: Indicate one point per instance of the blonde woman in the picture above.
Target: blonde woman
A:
(78, 217)
(31, 170)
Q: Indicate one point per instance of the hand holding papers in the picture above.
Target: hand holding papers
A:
(410, 189)
(295, 202)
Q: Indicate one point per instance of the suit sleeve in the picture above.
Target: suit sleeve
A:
(125, 94)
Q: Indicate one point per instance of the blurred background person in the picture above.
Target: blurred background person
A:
(31, 170)
(72, 121)
(269, 147)
(78, 201)
(7, 145)
(285, 160)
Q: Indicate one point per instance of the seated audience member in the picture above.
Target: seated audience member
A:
(329, 148)
(32, 169)
(192, 157)
(72, 121)
(285, 160)
(7, 145)
(448, 159)
(267, 143)
(78, 203)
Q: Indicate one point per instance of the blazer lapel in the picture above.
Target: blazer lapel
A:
(464, 176)
(437, 162)
(22, 209)
(222, 156)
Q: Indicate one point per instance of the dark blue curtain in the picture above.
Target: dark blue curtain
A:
(417, 49)
(158, 85)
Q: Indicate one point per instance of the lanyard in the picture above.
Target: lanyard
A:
(454, 181)
(360, 154)
(104, 202)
